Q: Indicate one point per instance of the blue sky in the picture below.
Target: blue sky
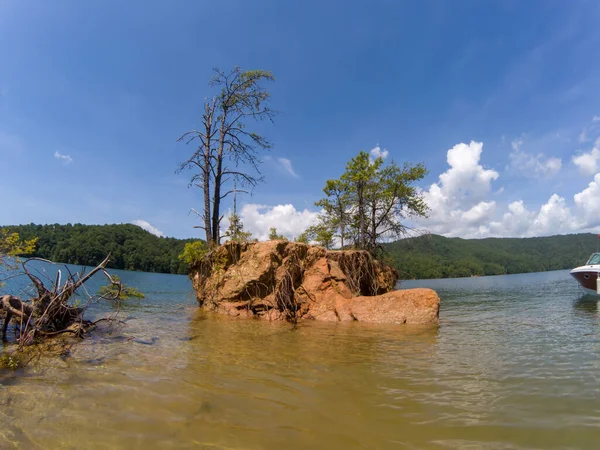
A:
(94, 94)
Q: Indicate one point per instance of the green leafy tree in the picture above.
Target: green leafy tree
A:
(235, 231)
(273, 236)
(322, 234)
(337, 207)
(11, 244)
(391, 199)
(360, 179)
(116, 290)
(371, 201)
(193, 252)
(223, 142)
(303, 238)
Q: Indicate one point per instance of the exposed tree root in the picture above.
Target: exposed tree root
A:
(270, 279)
(52, 312)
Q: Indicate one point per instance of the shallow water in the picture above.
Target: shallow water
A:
(515, 363)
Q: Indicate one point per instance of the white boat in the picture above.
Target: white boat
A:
(588, 275)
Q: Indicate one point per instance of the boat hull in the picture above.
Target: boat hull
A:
(586, 276)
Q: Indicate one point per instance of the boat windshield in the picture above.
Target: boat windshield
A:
(594, 259)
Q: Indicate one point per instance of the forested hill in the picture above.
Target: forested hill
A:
(432, 256)
(131, 247)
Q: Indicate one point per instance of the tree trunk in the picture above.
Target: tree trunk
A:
(373, 226)
(217, 188)
(206, 181)
(361, 216)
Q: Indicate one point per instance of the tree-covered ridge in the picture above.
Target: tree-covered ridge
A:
(131, 247)
(432, 256)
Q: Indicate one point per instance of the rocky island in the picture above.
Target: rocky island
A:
(282, 280)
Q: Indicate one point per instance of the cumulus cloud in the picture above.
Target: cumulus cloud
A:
(553, 217)
(589, 163)
(587, 204)
(149, 228)
(458, 201)
(289, 221)
(461, 206)
(287, 165)
(515, 222)
(66, 159)
(376, 152)
(533, 165)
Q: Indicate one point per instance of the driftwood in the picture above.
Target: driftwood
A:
(51, 313)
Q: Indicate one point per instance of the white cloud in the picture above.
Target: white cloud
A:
(461, 206)
(149, 228)
(66, 159)
(533, 165)
(458, 200)
(283, 164)
(289, 221)
(515, 222)
(287, 165)
(587, 204)
(589, 163)
(376, 152)
(554, 217)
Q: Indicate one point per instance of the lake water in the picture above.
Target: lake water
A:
(514, 364)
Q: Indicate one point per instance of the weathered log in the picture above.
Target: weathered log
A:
(14, 306)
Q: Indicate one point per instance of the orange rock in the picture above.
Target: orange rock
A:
(290, 280)
(413, 306)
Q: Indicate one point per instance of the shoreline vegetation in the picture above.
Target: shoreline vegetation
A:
(424, 257)
(130, 247)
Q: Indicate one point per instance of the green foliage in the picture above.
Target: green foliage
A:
(12, 245)
(8, 361)
(303, 238)
(119, 291)
(432, 256)
(273, 236)
(370, 201)
(336, 206)
(131, 247)
(193, 252)
(236, 232)
(321, 233)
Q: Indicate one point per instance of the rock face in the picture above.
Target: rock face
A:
(281, 280)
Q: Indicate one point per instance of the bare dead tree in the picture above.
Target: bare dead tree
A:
(226, 152)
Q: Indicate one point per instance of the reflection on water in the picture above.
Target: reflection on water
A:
(514, 364)
(587, 304)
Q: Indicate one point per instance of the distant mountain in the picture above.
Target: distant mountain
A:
(131, 247)
(433, 256)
